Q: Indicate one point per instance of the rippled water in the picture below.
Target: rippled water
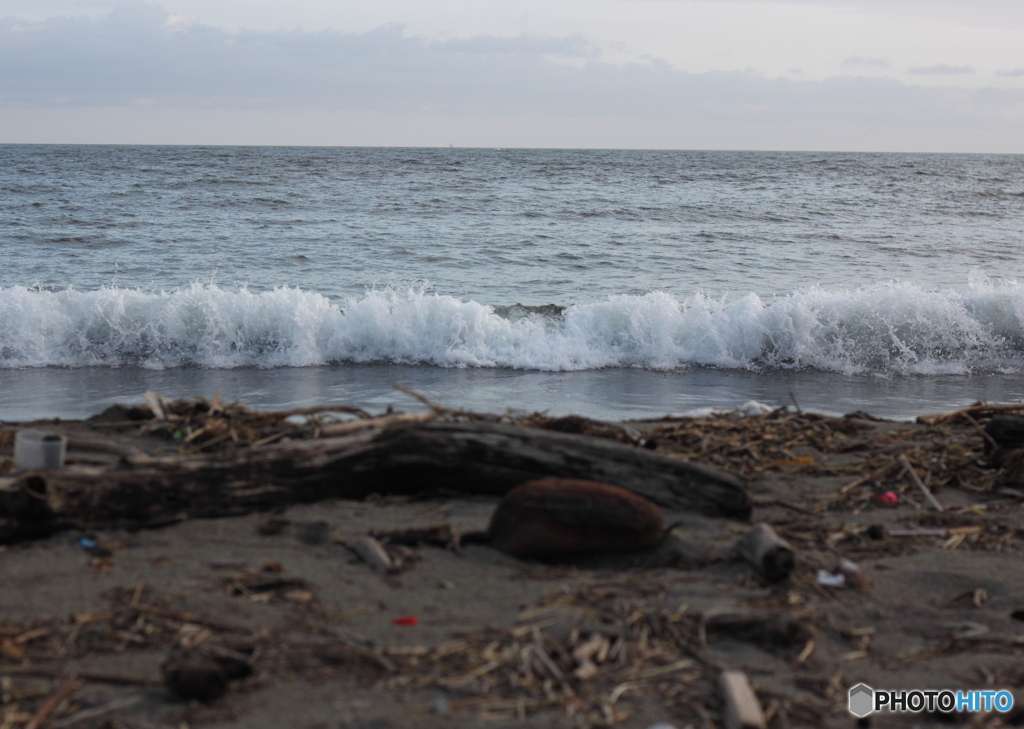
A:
(504, 226)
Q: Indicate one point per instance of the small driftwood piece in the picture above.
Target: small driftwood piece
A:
(920, 484)
(937, 532)
(373, 553)
(63, 692)
(742, 709)
(770, 555)
(384, 455)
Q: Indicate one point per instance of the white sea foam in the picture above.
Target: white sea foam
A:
(886, 329)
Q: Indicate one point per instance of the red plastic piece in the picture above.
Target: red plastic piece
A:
(889, 498)
(407, 620)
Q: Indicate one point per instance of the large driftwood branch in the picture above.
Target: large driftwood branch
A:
(382, 456)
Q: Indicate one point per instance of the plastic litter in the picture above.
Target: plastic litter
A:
(406, 620)
(39, 449)
(830, 580)
(889, 498)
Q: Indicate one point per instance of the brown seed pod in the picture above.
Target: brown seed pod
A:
(562, 516)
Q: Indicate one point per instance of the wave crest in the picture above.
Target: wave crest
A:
(892, 328)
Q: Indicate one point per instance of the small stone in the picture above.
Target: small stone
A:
(441, 705)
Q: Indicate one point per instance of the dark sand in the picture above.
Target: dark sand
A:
(922, 623)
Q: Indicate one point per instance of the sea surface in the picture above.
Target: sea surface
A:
(615, 284)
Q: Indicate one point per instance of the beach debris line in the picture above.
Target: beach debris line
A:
(391, 454)
(625, 648)
(945, 451)
(560, 517)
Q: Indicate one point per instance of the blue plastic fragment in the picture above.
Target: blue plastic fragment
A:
(86, 543)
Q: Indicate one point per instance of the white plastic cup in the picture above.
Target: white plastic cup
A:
(39, 449)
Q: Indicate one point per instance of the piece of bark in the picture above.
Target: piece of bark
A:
(387, 458)
(742, 709)
(771, 556)
(560, 516)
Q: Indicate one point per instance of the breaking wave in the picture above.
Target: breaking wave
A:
(893, 328)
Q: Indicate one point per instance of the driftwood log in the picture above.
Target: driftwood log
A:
(385, 456)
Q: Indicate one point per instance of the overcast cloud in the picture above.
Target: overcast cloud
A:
(136, 72)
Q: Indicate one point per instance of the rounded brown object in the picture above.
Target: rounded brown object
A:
(562, 516)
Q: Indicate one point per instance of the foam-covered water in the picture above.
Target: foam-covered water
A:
(778, 268)
(885, 329)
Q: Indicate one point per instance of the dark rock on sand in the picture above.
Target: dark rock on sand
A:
(195, 676)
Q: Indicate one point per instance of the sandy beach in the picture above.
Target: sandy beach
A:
(473, 637)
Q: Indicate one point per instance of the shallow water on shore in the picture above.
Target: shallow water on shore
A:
(610, 394)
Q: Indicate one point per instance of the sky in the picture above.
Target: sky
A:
(844, 75)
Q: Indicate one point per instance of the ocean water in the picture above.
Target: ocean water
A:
(616, 284)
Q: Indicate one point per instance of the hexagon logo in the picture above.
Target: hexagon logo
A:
(862, 700)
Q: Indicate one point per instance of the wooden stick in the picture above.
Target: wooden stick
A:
(937, 532)
(63, 692)
(354, 426)
(984, 433)
(42, 672)
(770, 555)
(742, 709)
(97, 711)
(920, 484)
